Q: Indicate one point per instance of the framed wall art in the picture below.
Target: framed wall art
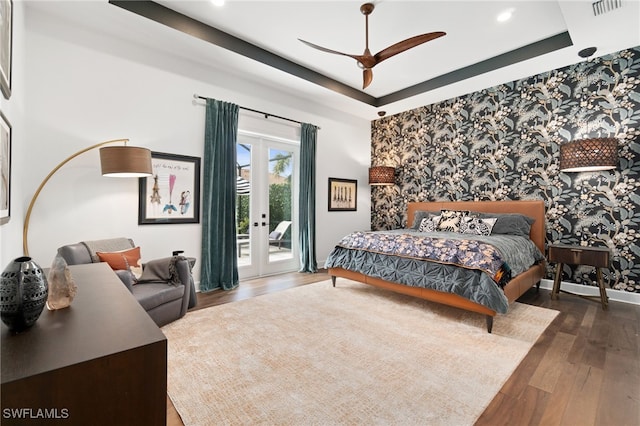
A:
(5, 169)
(343, 195)
(172, 194)
(6, 45)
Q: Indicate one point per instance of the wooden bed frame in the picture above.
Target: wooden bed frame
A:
(514, 288)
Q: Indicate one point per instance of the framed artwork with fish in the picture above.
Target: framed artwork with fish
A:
(172, 194)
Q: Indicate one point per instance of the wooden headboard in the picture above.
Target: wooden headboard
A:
(532, 208)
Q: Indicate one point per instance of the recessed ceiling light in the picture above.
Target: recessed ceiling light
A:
(505, 15)
(218, 2)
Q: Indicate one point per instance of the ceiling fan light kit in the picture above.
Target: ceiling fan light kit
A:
(367, 61)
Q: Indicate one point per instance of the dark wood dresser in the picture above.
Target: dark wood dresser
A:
(101, 361)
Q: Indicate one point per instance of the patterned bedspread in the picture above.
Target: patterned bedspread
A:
(470, 254)
(403, 257)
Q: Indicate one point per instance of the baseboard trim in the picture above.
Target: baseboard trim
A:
(585, 290)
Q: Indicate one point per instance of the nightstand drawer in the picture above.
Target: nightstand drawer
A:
(592, 256)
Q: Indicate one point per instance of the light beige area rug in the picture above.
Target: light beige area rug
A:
(354, 354)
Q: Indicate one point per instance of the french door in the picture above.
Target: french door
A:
(267, 238)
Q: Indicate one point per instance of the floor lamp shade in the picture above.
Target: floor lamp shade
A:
(382, 175)
(589, 155)
(116, 161)
(125, 161)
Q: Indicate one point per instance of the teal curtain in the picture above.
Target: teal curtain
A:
(307, 212)
(219, 252)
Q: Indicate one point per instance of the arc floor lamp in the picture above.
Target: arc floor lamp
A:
(115, 161)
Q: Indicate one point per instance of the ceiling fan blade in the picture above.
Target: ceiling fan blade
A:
(407, 44)
(324, 49)
(365, 60)
(367, 77)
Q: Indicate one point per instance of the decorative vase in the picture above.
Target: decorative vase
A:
(23, 293)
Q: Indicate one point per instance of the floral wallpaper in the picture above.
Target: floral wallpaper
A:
(502, 143)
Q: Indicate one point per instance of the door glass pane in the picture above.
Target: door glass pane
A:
(280, 204)
(266, 196)
(243, 204)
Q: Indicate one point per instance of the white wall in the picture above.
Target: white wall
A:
(84, 88)
(14, 110)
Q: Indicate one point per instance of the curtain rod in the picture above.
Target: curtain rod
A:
(266, 114)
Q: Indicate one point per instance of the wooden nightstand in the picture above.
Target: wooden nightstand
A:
(577, 255)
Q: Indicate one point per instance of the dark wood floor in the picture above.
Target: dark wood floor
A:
(584, 369)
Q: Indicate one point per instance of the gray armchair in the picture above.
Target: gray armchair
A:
(165, 289)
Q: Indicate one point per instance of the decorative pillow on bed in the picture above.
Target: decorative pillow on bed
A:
(429, 224)
(476, 225)
(510, 223)
(450, 220)
(421, 214)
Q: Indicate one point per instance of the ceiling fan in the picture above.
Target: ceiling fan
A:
(367, 61)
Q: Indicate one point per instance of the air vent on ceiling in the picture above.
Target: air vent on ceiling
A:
(601, 7)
